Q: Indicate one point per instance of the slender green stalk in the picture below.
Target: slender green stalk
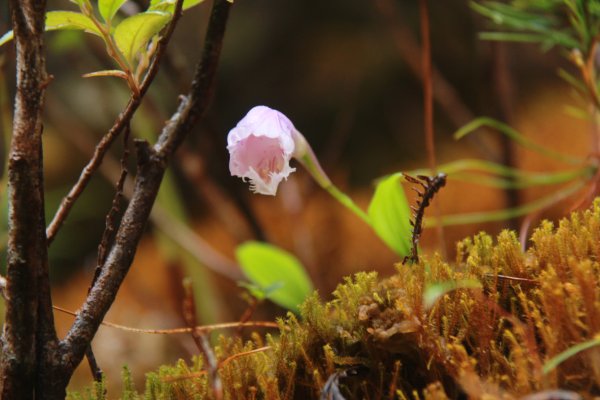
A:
(347, 202)
(482, 172)
(570, 352)
(517, 137)
(307, 158)
(501, 215)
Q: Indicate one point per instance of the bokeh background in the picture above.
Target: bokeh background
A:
(347, 73)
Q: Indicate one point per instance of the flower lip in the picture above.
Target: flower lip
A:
(260, 147)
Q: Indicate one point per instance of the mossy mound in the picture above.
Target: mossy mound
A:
(377, 340)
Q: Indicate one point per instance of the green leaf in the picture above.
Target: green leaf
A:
(483, 173)
(56, 20)
(190, 3)
(390, 215)
(169, 5)
(279, 275)
(435, 291)
(62, 20)
(570, 352)
(108, 8)
(532, 23)
(133, 33)
(516, 136)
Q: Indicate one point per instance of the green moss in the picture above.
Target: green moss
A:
(378, 341)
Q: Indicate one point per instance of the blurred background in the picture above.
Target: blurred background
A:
(347, 73)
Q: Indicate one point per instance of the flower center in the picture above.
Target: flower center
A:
(269, 166)
(263, 154)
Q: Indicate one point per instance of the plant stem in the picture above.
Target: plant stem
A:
(501, 215)
(347, 202)
(152, 163)
(427, 85)
(112, 50)
(307, 158)
(122, 120)
(428, 110)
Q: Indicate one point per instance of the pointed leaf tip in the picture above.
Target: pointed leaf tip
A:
(108, 8)
(279, 275)
(133, 33)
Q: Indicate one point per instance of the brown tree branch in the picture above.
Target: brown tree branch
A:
(201, 340)
(29, 324)
(122, 121)
(184, 236)
(152, 162)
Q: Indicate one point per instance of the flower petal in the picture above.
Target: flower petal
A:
(260, 147)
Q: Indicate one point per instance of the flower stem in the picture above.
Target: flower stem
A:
(307, 158)
(347, 202)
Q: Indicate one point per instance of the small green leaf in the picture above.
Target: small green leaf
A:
(390, 215)
(169, 5)
(570, 352)
(56, 20)
(134, 32)
(279, 275)
(62, 20)
(108, 8)
(111, 72)
(435, 291)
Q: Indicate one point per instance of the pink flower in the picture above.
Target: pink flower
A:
(260, 148)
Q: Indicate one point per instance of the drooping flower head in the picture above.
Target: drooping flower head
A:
(260, 148)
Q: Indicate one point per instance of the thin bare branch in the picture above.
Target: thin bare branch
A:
(122, 121)
(201, 340)
(107, 236)
(111, 217)
(181, 234)
(188, 330)
(427, 73)
(427, 79)
(152, 163)
(93, 363)
(445, 94)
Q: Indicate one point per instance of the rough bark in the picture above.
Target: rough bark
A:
(29, 325)
(33, 363)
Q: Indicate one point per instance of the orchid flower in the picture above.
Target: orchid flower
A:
(261, 147)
